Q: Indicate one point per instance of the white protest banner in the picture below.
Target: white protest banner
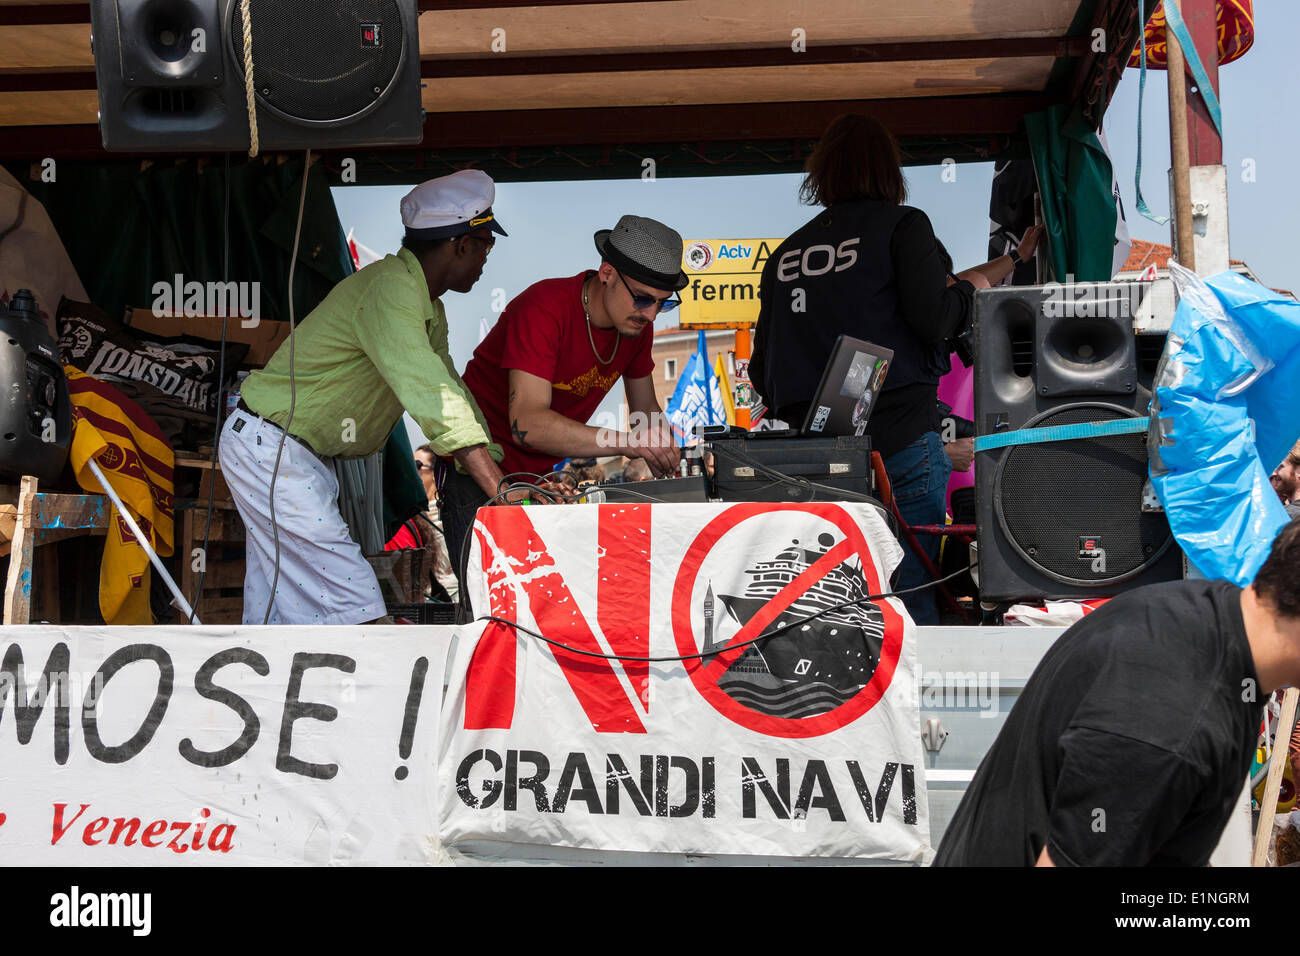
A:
(211, 746)
(805, 743)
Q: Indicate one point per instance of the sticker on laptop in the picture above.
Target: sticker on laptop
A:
(819, 420)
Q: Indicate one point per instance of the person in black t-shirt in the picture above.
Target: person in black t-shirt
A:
(869, 267)
(1132, 740)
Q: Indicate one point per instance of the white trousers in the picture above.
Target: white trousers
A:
(324, 578)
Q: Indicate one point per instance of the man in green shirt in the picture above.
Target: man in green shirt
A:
(376, 345)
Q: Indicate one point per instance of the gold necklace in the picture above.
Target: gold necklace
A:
(591, 338)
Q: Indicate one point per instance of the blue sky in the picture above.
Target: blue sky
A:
(1256, 126)
(551, 224)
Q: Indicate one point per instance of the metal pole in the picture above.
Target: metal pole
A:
(1179, 153)
(742, 356)
(177, 598)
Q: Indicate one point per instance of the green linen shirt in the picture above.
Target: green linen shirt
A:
(374, 346)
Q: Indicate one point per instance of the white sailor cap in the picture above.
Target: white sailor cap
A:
(450, 206)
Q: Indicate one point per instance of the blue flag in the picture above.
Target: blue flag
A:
(697, 399)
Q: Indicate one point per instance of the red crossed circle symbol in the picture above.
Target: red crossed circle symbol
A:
(705, 675)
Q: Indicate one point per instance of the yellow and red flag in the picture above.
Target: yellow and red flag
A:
(1234, 23)
(137, 461)
(728, 389)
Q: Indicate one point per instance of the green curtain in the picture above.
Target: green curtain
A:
(1074, 180)
(129, 224)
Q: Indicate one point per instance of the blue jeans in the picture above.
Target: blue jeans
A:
(919, 477)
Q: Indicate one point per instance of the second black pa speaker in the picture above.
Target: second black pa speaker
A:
(1065, 519)
(326, 74)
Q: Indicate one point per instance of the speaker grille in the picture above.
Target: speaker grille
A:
(309, 61)
(1021, 334)
(1149, 350)
(169, 102)
(1049, 496)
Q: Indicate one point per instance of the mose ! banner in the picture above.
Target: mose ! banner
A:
(214, 746)
(804, 743)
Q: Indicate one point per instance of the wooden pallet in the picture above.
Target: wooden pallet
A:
(1268, 806)
(222, 598)
(34, 519)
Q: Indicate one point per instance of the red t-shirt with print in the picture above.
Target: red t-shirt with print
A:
(543, 331)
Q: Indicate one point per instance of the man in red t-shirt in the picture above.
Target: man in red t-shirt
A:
(557, 350)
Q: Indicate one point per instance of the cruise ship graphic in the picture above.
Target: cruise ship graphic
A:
(812, 668)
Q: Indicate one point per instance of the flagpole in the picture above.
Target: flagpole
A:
(1179, 150)
(706, 368)
(177, 597)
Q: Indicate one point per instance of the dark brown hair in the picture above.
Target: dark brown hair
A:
(856, 158)
(1278, 581)
(422, 247)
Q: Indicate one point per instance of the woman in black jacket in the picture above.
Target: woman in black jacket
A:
(870, 267)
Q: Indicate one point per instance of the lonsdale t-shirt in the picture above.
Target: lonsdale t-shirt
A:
(1130, 744)
(543, 331)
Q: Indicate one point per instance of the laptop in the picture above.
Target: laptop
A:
(847, 394)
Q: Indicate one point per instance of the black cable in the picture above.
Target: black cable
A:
(221, 398)
(462, 566)
(624, 490)
(554, 496)
(839, 494)
(462, 561)
(730, 647)
(563, 475)
(293, 394)
(549, 493)
(780, 478)
(501, 493)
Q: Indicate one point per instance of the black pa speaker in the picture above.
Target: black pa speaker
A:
(36, 412)
(1064, 519)
(326, 73)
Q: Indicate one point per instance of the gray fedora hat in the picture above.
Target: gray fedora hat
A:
(644, 250)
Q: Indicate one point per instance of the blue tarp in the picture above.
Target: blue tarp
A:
(1226, 411)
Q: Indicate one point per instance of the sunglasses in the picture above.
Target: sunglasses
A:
(646, 301)
(488, 241)
(421, 466)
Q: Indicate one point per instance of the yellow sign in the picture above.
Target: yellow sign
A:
(723, 287)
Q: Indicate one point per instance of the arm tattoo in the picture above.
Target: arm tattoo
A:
(519, 434)
(510, 402)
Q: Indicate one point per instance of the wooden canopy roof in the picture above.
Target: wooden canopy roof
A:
(587, 88)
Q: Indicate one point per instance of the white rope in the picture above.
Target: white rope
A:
(248, 78)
